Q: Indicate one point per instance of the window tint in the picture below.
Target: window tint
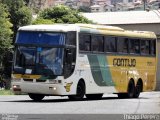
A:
(71, 38)
(122, 45)
(84, 42)
(153, 47)
(97, 43)
(145, 47)
(110, 44)
(134, 46)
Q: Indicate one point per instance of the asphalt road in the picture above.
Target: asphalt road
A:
(148, 103)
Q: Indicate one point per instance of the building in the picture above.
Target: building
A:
(96, 8)
(59, 2)
(41, 4)
(133, 20)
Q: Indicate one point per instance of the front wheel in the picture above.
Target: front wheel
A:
(80, 92)
(36, 97)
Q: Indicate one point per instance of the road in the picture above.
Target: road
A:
(148, 103)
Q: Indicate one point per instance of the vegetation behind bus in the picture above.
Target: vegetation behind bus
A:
(60, 14)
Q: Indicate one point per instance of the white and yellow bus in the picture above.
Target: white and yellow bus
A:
(78, 60)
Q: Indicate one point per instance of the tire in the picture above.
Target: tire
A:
(138, 89)
(131, 89)
(80, 92)
(94, 96)
(36, 97)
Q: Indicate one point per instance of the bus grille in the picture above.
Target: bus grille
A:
(37, 80)
(28, 80)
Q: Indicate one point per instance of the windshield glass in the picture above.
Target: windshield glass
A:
(39, 60)
(40, 38)
(39, 52)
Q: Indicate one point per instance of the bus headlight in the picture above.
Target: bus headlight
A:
(16, 88)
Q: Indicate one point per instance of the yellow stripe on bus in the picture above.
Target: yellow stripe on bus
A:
(26, 76)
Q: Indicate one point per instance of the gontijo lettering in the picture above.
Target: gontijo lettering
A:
(124, 62)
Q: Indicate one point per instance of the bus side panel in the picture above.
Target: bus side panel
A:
(99, 75)
(119, 72)
(106, 74)
(124, 68)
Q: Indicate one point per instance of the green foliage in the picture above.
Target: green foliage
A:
(20, 15)
(6, 92)
(63, 14)
(42, 21)
(5, 32)
(24, 16)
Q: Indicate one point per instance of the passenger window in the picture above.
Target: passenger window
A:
(71, 38)
(110, 44)
(145, 47)
(122, 45)
(134, 47)
(97, 43)
(84, 42)
(153, 47)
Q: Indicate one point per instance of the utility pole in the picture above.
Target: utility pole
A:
(144, 3)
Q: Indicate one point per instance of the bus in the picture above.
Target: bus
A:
(78, 60)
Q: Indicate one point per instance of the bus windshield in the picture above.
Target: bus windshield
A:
(35, 55)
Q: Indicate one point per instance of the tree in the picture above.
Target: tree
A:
(5, 31)
(27, 2)
(5, 36)
(20, 14)
(42, 21)
(63, 14)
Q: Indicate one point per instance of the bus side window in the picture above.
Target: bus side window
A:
(110, 44)
(145, 47)
(71, 38)
(97, 43)
(84, 42)
(153, 47)
(122, 45)
(134, 47)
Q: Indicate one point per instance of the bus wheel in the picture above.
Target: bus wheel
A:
(138, 89)
(94, 96)
(131, 89)
(80, 92)
(36, 97)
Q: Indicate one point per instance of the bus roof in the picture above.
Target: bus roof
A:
(89, 28)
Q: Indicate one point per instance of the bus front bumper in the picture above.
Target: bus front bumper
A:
(39, 88)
